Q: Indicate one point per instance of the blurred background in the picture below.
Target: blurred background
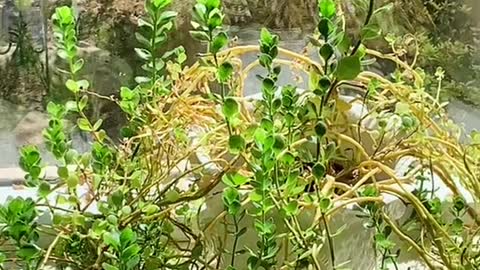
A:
(441, 37)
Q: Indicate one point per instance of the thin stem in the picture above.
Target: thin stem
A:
(367, 20)
(235, 242)
(330, 241)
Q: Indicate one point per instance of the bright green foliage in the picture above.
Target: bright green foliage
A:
(30, 162)
(18, 218)
(154, 29)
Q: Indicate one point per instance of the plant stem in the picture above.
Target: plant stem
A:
(235, 241)
(330, 241)
(367, 20)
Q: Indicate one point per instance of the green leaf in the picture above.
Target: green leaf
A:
(459, 204)
(197, 250)
(348, 68)
(127, 237)
(83, 103)
(234, 179)
(265, 60)
(130, 252)
(319, 170)
(200, 35)
(268, 86)
(160, 4)
(167, 16)
(219, 42)
(327, 8)
(279, 143)
(117, 198)
(73, 181)
(97, 124)
(44, 189)
(143, 53)
(72, 86)
(370, 32)
(291, 209)
(236, 144)
(324, 27)
(288, 158)
(28, 252)
(62, 172)
(141, 23)
(326, 51)
(150, 209)
(231, 108)
(266, 37)
(83, 85)
(84, 124)
(200, 11)
(215, 19)
(225, 72)
(143, 40)
(112, 239)
(107, 266)
(344, 44)
(211, 4)
(78, 66)
(325, 204)
(321, 129)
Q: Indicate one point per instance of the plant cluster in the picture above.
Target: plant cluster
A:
(285, 168)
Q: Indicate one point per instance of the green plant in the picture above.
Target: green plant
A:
(285, 168)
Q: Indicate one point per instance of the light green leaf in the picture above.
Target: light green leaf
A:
(73, 181)
(327, 8)
(150, 209)
(200, 35)
(72, 86)
(143, 53)
(225, 72)
(78, 66)
(83, 85)
(84, 124)
(112, 239)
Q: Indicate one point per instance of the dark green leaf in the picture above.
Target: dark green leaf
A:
(44, 189)
(268, 86)
(230, 108)
(326, 51)
(236, 144)
(319, 170)
(321, 129)
(324, 27)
